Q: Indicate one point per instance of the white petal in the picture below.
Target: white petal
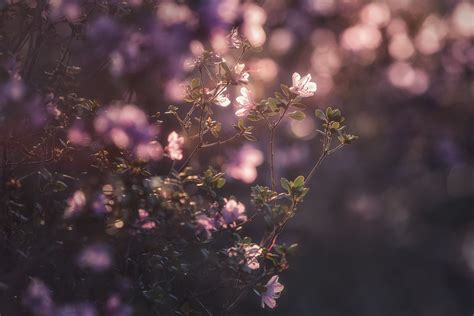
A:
(244, 91)
(241, 112)
(241, 100)
(295, 79)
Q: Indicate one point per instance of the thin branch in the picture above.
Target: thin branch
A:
(222, 142)
(273, 128)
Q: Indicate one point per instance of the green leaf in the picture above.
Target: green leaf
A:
(225, 67)
(299, 182)
(220, 183)
(297, 115)
(320, 114)
(298, 105)
(285, 89)
(273, 104)
(195, 83)
(285, 184)
(250, 137)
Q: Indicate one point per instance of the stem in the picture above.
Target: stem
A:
(222, 142)
(316, 165)
(273, 128)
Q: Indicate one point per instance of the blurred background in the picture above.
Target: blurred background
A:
(388, 228)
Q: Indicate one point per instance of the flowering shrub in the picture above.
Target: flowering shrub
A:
(106, 207)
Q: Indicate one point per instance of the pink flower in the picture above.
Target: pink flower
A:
(175, 144)
(206, 224)
(246, 102)
(239, 75)
(272, 292)
(233, 212)
(303, 86)
(243, 165)
(149, 151)
(96, 257)
(145, 222)
(222, 99)
(75, 204)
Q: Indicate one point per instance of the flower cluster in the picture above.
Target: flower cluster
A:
(128, 199)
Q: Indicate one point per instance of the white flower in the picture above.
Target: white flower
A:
(175, 144)
(221, 99)
(239, 75)
(245, 101)
(233, 211)
(251, 254)
(272, 292)
(303, 86)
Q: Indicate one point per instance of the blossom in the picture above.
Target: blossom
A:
(239, 75)
(206, 224)
(233, 211)
(96, 257)
(100, 204)
(222, 99)
(251, 253)
(175, 144)
(146, 223)
(272, 292)
(115, 307)
(245, 101)
(243, 166)
(303, 86)
(127, 127)
(38, 298)
(75, 204)
(149, 151)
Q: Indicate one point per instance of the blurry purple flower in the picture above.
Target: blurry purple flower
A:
(175, 144)
(75, 204)
(105, 34)
(149, 151)
(115, 307)
(246, 102)
(233, 212)
(254, 17)
(12, 91)
(81, 309)
(206, 224)
(77, 136)
(100, 204)
(96, 257)
(170, 13)
(244, 165)
(127, 127)
(303, 86)
(132, 55)
(218, 14)
(272, 292)
(70, 9)
(38, 299)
